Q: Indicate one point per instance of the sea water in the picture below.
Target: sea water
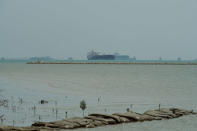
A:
(105, 88)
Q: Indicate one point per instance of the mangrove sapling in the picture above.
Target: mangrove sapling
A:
(13, 123)
(43, 102)
(131, 106)
(4, 103)
(34, 110)
(66, 114)
(56, 113)
(53, 110)
(13, 108)
(99, 98)
(2, 119)
(39, 117)
(83, 106)
(21, 100)
(55, 103)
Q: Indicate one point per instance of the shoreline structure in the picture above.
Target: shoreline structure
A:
(126, 63)
(96, 120)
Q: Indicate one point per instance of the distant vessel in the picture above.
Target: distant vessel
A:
(96, 56)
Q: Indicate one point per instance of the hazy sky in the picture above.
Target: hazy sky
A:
(146, 29)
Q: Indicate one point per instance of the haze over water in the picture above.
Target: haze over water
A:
(118, 86)
(70, 28)
(146, 29)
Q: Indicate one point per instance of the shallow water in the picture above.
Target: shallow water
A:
(140, 87)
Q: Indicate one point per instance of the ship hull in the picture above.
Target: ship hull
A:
(102, 57)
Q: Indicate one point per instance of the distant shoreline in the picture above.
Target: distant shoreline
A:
(126, 63)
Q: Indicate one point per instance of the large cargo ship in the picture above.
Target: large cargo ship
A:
(96, 56)
(121, 57)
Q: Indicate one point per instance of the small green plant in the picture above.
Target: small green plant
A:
(83, 106)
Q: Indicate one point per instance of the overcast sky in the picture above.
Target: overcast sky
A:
(146, 29)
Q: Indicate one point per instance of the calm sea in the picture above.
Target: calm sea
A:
(105, 88)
